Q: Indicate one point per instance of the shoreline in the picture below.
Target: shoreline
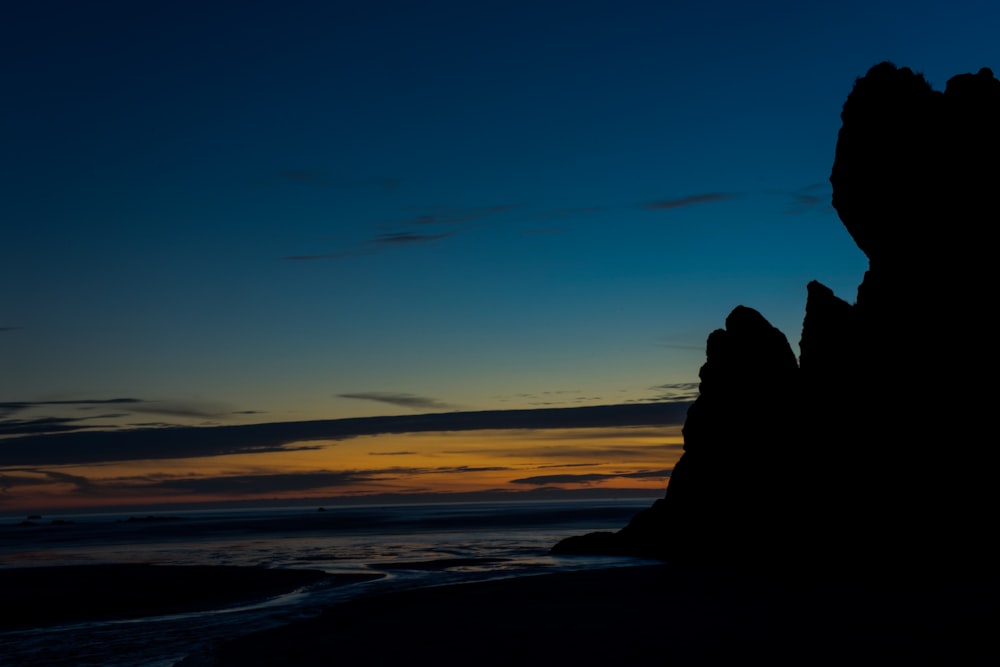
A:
(639, 615)
(45, 596)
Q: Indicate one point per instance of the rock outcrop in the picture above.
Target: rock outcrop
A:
(873, 454)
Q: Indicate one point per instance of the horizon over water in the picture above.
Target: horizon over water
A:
(404, 546)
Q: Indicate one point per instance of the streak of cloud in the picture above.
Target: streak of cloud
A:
(255, 484)
(178, 442)
(588, 478)
(602, 453)
(407, 237)
(47, 423)
(440, 216)
(692, 200)
(229, 485)
(23, 405)
(453, 216)
(814, 197)
(677, 391)
(9, 427)
(398, 399)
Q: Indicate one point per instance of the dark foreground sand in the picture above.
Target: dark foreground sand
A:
(657, 615)
(39, 596)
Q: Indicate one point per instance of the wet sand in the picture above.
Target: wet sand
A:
(653, 615)
(39, 596)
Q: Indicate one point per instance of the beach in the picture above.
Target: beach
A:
(448, 585)
(87, 593)
(647, 615)
(117, 590)
(636, 615)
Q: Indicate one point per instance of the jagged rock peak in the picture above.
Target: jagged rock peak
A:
(915, 169)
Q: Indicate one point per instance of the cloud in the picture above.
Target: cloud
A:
(588, 478)
(407, 237)
(549, 397)
(23, 405)
(692, 200)
(231, 485)
(193, 409)
(677, 391)
(392, 453)
(814, 197)
(18, 478)
(3, 329)
(63, 423)
(42, 425)
(30, 477)
(255, 484)
(92, 446)
(402, 400)
(596, 453)
(442, 215)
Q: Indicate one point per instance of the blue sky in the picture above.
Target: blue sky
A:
(245, 212)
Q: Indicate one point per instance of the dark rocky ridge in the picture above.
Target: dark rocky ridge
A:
(874, 455)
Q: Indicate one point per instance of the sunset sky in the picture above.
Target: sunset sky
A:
(228, 224)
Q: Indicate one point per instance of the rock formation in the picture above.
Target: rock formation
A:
(878, 453)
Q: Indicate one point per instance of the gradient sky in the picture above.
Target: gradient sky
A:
(235, 213)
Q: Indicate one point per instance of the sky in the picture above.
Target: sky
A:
(230, 226)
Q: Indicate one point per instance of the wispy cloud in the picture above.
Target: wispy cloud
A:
(814, 197)
(250, 484)
(691, 200)
(677, 391)
(190, 409)
(588, 478)
(62, 422)
(552, 397)
(43, 425)
(444, 215)
(407, 237)
(597, 452)
(92, 446)
(3, 329)
(255, 484)
(23, 405)
(399, 399)
(398, 233)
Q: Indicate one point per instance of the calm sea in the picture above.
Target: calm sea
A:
(409, 545)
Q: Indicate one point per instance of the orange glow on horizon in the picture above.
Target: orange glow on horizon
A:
(508, 461)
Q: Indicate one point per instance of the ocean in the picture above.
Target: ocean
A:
(404, 546)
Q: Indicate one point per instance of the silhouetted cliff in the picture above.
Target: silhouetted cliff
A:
(874, 454)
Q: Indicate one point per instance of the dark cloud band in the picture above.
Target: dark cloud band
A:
(84, 447)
